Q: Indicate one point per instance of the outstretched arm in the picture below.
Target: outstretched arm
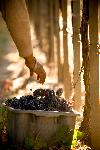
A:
(18, 23)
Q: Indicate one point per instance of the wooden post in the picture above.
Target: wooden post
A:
(51, 31)
(67, 79)
(44, 25)
(76, 50)
(94, 75)
(34, 11)
(85, 125)
(36, 21)
(57, 39)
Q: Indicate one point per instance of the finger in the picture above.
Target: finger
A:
(42, 79)
(31, 72)
(38, 77)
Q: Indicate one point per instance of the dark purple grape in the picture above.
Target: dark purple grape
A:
(15, 104)
(42, 99)
(39, 92)
(59, 92)
(8, 102)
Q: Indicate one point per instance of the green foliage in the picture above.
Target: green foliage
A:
(63, 136)
(80, 135)
(28, 143)
(74, 141)
(36, 144)
(2, 118)
(76, 136)
(39, 143)
(2, 111)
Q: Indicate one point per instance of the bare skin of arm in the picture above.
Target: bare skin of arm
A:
(18, 23)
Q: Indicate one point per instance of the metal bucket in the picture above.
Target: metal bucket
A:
(30, 123)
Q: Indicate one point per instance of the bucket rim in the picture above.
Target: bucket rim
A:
(43, 112)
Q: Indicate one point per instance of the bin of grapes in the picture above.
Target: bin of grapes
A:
(38, 115)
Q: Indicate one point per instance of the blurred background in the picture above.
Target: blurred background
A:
(55, 29)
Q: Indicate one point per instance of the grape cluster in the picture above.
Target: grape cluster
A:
(41, 99)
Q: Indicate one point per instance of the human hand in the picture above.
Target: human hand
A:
(39, 70)
(35, 67)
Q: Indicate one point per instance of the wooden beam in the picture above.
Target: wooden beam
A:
(94, 75)
(51, 31)
(67, 78)
(76, 51)
(57, 39)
